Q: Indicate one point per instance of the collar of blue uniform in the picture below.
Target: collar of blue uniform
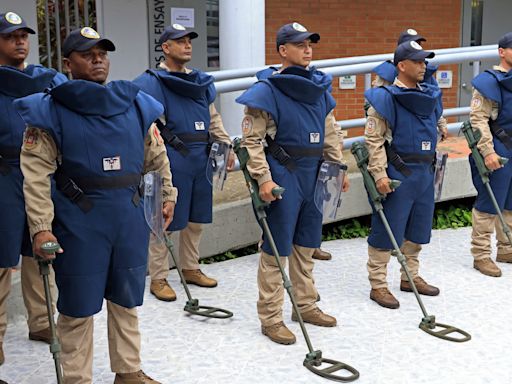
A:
(430, 70)
(266, 73)
(20, 83)
(300, 84)
(89, 98)
(421, 102)
(194, 84)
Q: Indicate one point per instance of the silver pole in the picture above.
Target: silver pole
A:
(367, 81)
(48, 40)
(77, 14)
(57, 34)
(66, 15)
(476, 68)
(86, 13)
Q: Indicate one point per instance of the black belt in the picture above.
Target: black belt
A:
(500, 134)
(7, 153)
(177, 142)
(74, 189)
(399, 160)
(285, 154)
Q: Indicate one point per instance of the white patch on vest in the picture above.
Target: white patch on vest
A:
(13, 18)
(425, 145)
(178, 27)
(476, 103)
(299, 27)
(314, 137)
(199, 125)
(90, 33)
(112, 163)
(412, 32)
(415, 45)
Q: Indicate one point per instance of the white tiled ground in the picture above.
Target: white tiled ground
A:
(386, 346)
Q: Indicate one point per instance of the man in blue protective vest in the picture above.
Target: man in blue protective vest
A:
(491, 114)
(290, 110)
(97, 140)
(191, 122)
(401, 136)
(387, 72)
(17, 80)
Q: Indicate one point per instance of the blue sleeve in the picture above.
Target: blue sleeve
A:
(149, 84)
(386, 71)
(260, 96)
(58, 79)
(382, 100)
(487, 84)
(149, 108)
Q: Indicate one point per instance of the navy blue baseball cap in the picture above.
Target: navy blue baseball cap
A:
(294, 33)
(83, 39)
(411, 50)
(10, 22)
(505, 41)
(410, 35)
(176, 31)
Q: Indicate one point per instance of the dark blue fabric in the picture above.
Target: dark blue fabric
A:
(15, 83)
(186, 99)
(496, 85)
(299, 117)
(105, 250)
(388, 72)
(409, 209)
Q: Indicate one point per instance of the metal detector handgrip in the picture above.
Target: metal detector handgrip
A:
(361, 155)
(243, 158)
(473, 137)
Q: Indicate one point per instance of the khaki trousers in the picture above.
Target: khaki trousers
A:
(187, 250)
(76, 339)
(378, 260)
(270, 284)
(484, 225)
(33, 295)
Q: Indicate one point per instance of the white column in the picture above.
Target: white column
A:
(241, 44)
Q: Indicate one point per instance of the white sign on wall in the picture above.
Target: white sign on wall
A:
(444, 79)
(347, 82)
(183, 16)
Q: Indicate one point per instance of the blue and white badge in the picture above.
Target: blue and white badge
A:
(314, 137)
(112, 163)
(199, 125)
(426, 145)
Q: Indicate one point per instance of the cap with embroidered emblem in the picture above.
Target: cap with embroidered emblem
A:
(83, 39)
(10, 22)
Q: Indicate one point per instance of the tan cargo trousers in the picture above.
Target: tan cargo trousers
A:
(378, 260)
(76, 339)
(186, 248)
(270, 284)
(33, 295)
(484, 225)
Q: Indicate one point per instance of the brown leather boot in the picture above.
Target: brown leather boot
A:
(421, 285)
(384, 298)
(504, 258)
(134, 378)
(162, 290)
(487, 267)
(316, 317)
(278, 333)
(2, 357)
(196, 277)
(320, 254)
(44, 335)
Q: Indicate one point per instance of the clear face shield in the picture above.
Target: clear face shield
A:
(153, 203)
(216, 168)
(329, 185)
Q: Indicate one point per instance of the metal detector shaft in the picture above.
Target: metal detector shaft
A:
(473, 137)
(192, 306)
(44, 270)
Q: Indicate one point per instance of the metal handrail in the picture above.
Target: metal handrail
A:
(355, 69)
(249, 72)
